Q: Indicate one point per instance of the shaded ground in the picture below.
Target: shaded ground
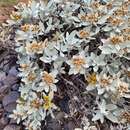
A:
(9, 82)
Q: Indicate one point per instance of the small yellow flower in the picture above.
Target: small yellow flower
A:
(116, 39)
(127, 37)
(36, 47)
(48, 78)
(92, 17)
(82, 17)
(95, 5)
(115, 21)
(47, 102)
(31, 76)
(121, 12)
(35, 104)
(32, 27)
(83, 34)
(109, 5)
(126, 116)
(24, 66)
(92, 79)
(78, 61)
(56, 36)
(127, 73)
(126, 30)
(125, 5)
(122, 88)
(104, 81)
(25, 27)
(15, 16)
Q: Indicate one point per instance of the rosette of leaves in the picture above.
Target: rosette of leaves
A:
(72, 51)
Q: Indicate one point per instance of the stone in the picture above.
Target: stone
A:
(4, 89)
(2, 75)
(13, 71)
(1, 126)
(12, 127)
(13, 121)
(52, 125)
(60, 116)
(1, 112)
(69, 126)
(4, 121)
(1, 83)
(10, 80)
(15, 87)
(10, 107)
(1, 106)
(9, 101)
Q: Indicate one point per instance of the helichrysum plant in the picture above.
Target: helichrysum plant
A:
(85, 38)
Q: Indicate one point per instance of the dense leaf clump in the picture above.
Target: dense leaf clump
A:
(74, 57)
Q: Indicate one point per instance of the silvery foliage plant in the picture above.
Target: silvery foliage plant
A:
(89, 38)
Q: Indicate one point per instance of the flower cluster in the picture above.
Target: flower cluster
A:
(90, 39)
